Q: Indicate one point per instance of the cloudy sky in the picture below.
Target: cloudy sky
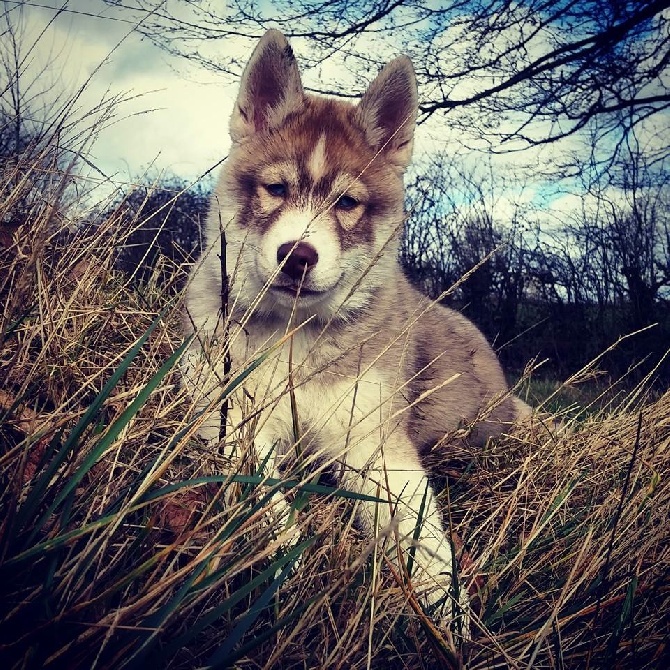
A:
(173, 116)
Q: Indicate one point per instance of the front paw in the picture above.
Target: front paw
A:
(444, 600)
(448, 604)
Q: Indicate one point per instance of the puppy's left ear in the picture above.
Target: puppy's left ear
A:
(270, 89)
(388, 110)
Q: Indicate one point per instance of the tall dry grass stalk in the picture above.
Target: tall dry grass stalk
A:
(126, 543)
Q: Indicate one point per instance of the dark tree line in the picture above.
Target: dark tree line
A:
(161, 227)
(563, 290)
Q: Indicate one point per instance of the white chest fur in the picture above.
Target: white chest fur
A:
(336, 403)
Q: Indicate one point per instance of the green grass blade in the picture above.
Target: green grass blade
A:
(53, 458)
(164, 491)
(259, 638)
(220, 610)
(60, 540)
(258, 480)
(111, 435)
(411, 554)
(158, 618)
(81, 426)
(96, 405)
(222, 657)
(625, 616)
(560, 499)
(501, 611)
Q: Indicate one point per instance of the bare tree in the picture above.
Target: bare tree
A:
(528, 73)
(607, 262)
(636, 238)
(26, 115)
(30, 154)
(460, 234)
(45, 133)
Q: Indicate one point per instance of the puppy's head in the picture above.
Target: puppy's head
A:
(312, 194)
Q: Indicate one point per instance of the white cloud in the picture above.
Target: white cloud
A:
(174, 117)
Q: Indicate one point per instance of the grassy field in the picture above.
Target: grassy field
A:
(125, 542)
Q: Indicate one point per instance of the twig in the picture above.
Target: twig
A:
(227, 363)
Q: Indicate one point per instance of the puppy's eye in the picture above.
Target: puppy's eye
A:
(276, 190)
(346, 203)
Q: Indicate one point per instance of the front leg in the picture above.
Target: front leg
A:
(260, 441)
(248, 438)
(394, 472)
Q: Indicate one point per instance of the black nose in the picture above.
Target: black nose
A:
(297, 258)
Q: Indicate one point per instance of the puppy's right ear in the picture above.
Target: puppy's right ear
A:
(387, 112)
(270, 89)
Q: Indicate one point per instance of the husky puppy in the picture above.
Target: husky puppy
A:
(310, 201)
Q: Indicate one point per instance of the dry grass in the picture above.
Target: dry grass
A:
(125, 543)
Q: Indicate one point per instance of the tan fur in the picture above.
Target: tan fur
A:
(380, 374)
